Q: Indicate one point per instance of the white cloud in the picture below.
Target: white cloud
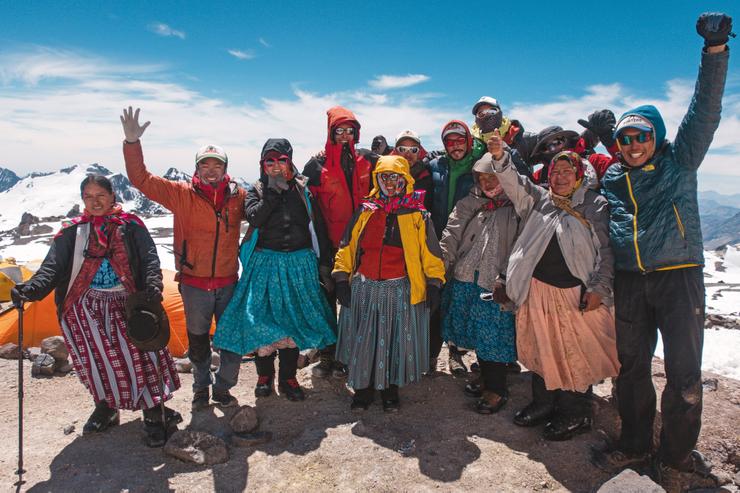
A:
(264, 42)
(242, 54)
(163, 29)
(397, 81)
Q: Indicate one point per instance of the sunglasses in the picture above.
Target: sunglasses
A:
(348, 131)
(390, 176)
(455, 141)
(485, 111)
(405, 149)
(642, 137)
(274, 161)
(554, 145)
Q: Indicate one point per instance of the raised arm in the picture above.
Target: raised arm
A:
(521, 191)
(697, 129)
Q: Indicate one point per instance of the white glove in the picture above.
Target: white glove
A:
(131, 128)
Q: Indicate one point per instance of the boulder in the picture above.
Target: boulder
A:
(251, 439)
(55, 347)
(244, 420)
(9, 351)
(44, 365)
(197, 447)
(32, 353)
(64, 367)
(628, 481)
(183, 365)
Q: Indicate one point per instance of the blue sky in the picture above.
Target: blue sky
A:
(236, 73)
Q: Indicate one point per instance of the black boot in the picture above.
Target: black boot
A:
(391, 402)
(287, 382)
(541, 408)
(102, 418)
(266, 375)
(362, 399)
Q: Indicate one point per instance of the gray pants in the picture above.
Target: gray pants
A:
(200, 308)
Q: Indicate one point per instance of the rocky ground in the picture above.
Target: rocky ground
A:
(435, 443)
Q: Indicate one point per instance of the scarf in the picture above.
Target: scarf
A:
(565, 204)
(215, 195)
(499, 199)
(100, 225)
(413, 200)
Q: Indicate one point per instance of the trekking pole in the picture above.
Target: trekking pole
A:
(20, 470)
(161, 397)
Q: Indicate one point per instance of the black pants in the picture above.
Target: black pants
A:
(288, 364)
(672, 301)
(565, 402)
(435, 333)
(494, 376)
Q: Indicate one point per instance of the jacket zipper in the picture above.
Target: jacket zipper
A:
(215, 244)
(218, 223)
(634, 223)
(681, 228)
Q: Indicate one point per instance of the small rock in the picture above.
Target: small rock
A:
(359, 429)
(628, 481)
(407, 448)
(55, 347)
(65, 367)
(251, 439)
(244, 420)
(32, 353)
(9, 351)
(69, 429)
(44, 365)
(710, 384)
(197, 447)
(215, 360)
(183, 365)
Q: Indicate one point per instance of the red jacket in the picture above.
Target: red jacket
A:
(328, 183)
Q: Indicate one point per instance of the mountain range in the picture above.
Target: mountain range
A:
(51, 196)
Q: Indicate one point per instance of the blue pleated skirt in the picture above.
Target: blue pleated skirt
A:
(278, 296)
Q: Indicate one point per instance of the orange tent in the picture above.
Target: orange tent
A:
(40, 320)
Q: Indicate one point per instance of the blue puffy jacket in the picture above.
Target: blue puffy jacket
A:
(654, 212)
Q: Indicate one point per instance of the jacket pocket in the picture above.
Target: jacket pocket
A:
(679, 222)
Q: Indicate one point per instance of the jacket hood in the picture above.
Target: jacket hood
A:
(337, 115)
(468, 133)
(392, 164)
(650, 113)
(278, 145)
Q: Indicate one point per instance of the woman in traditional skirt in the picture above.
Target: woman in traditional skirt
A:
(476, 244)
(95, 262)
(560, 277)
(278, 305)
(388, 273)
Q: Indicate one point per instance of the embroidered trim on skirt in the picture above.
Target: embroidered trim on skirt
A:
(570, 350)
(383, 338)
(472, 323)
(277, 303)
(110, 367)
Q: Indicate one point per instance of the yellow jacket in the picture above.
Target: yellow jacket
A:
(421, 251)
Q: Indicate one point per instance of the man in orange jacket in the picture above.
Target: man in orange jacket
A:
(207, 217)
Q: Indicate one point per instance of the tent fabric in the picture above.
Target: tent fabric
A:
(10, 275)
(40, 320)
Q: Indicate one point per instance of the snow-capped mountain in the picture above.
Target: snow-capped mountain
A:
(7, 179)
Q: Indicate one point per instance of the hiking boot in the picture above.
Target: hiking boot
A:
(490, 402)
(155, 433)
(200, 399)
(566, 427)
(324, 368)
(339, 370)
(102, 418)
(473, 389)
(224, 398)
(696, 475)
(513, 367)
(612, 460)
(533, 414)
(172, 417)
(456, 365)
(391, 402)
(362, 399)
(291, 390)
(264, 386)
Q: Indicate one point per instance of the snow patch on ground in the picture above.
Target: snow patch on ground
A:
(720, 352)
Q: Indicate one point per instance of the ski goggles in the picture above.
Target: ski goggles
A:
(455, 141)
(342, 131)
(390, 176)
(405, 149)
(642, 137)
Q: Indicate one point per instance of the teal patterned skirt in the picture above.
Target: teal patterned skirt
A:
(278, 295)
(383, 339)
(472, 323)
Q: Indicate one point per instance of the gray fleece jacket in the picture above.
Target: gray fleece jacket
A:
(586, 250)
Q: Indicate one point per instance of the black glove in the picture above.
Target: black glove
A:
(715, 28)
(344, 293)
(602, 123)
(17, 295)
(277, 183)
(433, 297)
(499, 294)
(153, 294)
(590, 139)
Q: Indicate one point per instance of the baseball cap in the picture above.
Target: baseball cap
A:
(211, 151)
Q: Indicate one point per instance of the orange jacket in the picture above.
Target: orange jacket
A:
(336, 201)
(206, 242)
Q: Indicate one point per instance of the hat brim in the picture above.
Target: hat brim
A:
(566, 134)
(206, 156)
(636, 126)
(143, 331)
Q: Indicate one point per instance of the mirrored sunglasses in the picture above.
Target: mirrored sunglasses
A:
(341, 131)
(405, 149)
(642, 137)
(274, 161)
